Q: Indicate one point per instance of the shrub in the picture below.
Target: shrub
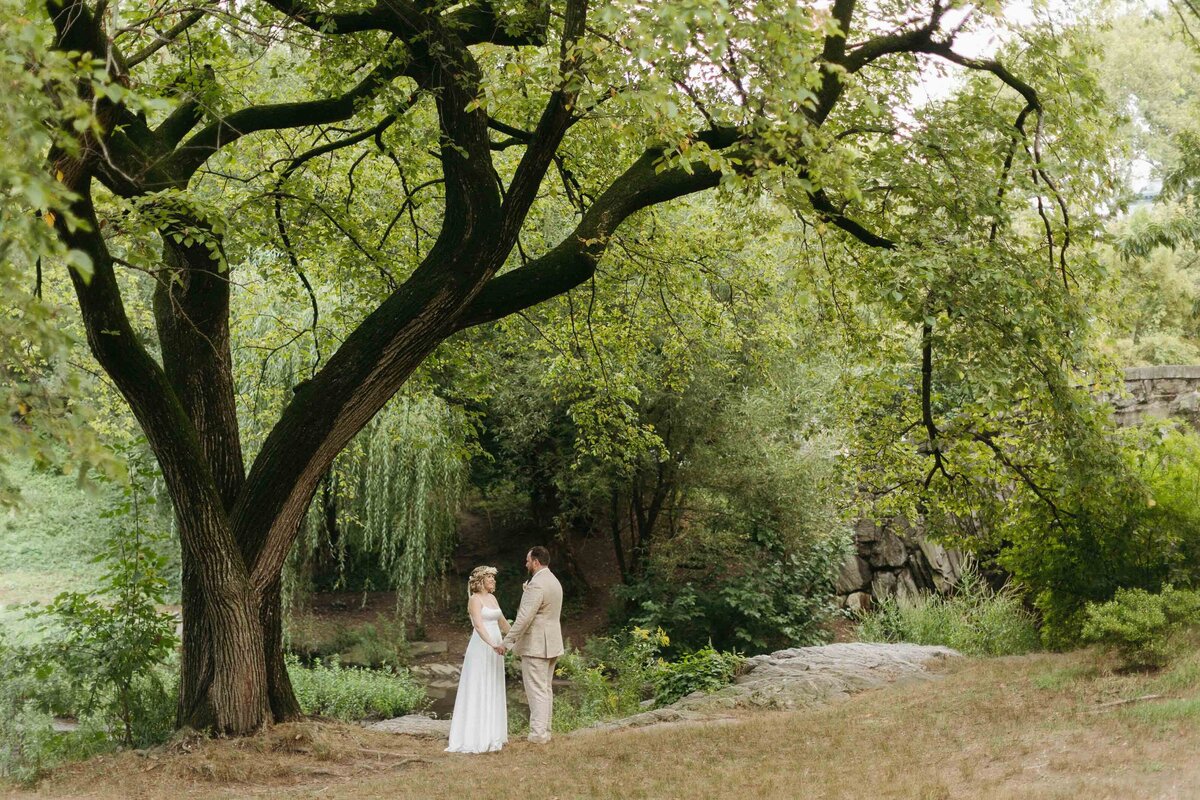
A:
(780, 598)
(1142, 627)
(1129, 520)
(591, 697)
(99, 657)
(27, 741)
(628, 662)
(109, 644)
(610, 678)
(975, 620)
(350, 693)
(617, 676)
(30, 696)
(705, 670)
(382, 643)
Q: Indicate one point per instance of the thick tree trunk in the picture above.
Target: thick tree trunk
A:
(282, 697)
(191, 313)
(237, 696)
(223, 682)
(196, 665)
(226, 655)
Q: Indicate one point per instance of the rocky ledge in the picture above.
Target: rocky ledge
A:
(800, 677)
(414, 725)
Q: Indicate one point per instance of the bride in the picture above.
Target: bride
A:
(480, 720)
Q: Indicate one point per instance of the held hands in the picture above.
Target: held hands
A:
(500, 649)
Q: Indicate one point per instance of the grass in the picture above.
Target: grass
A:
(47, 542)
(1059, 679)
(1032, 726)
(1168, 711)
(975, 620)
(349, 693)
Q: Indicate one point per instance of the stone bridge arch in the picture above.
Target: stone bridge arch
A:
(1162, 392)
(895, 558)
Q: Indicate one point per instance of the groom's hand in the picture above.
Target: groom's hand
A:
(500, 649)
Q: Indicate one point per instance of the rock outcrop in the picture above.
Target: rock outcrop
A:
(893, 558)
(800, 677)
(414, 725)
(1159, 393)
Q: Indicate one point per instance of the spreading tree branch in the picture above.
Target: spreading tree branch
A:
(190, 156)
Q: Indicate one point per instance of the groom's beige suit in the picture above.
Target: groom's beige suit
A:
(537, 638)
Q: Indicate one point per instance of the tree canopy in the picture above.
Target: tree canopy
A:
(334, 189)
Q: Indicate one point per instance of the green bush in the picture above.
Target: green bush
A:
(350, 693)
(975, 620)
(27, 742)
(31, 695)
(1141, 627)
(109, 644)
(590, 698)
(705, 670)
(100, 658)
(779, 598)
(618, 676)
(382, 643)
(610, 678)
(1127, 517)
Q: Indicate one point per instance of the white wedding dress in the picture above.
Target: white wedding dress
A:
(480, 720)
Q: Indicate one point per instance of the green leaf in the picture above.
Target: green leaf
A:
(81, 263)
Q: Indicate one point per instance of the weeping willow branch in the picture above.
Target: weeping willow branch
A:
(396, 490)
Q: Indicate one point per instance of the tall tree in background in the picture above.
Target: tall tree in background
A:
(626, 106)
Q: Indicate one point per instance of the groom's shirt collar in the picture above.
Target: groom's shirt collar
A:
(539, 572)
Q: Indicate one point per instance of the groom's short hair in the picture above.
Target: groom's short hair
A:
(540, 555)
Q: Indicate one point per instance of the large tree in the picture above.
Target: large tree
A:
(625, 106)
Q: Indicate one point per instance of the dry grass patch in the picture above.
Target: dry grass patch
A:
(1020, 727)
(313, 753)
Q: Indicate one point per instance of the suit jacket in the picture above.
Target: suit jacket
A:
(536, 631)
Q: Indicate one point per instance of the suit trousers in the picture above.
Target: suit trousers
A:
(538, 674)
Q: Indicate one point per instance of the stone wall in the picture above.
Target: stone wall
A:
(894, 559)
(1158, 393)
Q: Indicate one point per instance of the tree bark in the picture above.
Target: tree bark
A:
(282, 698)
(205, 707)
(223, 684)
(195, 664)
(222, 687)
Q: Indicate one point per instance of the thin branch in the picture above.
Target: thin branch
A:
(312, 295)
(349, 141)
(165, 38)
(1042, 493)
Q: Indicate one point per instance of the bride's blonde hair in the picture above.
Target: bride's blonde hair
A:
(478, 575)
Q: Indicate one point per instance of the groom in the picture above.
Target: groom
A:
(538, 638)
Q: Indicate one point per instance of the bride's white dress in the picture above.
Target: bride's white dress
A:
(480, 721)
